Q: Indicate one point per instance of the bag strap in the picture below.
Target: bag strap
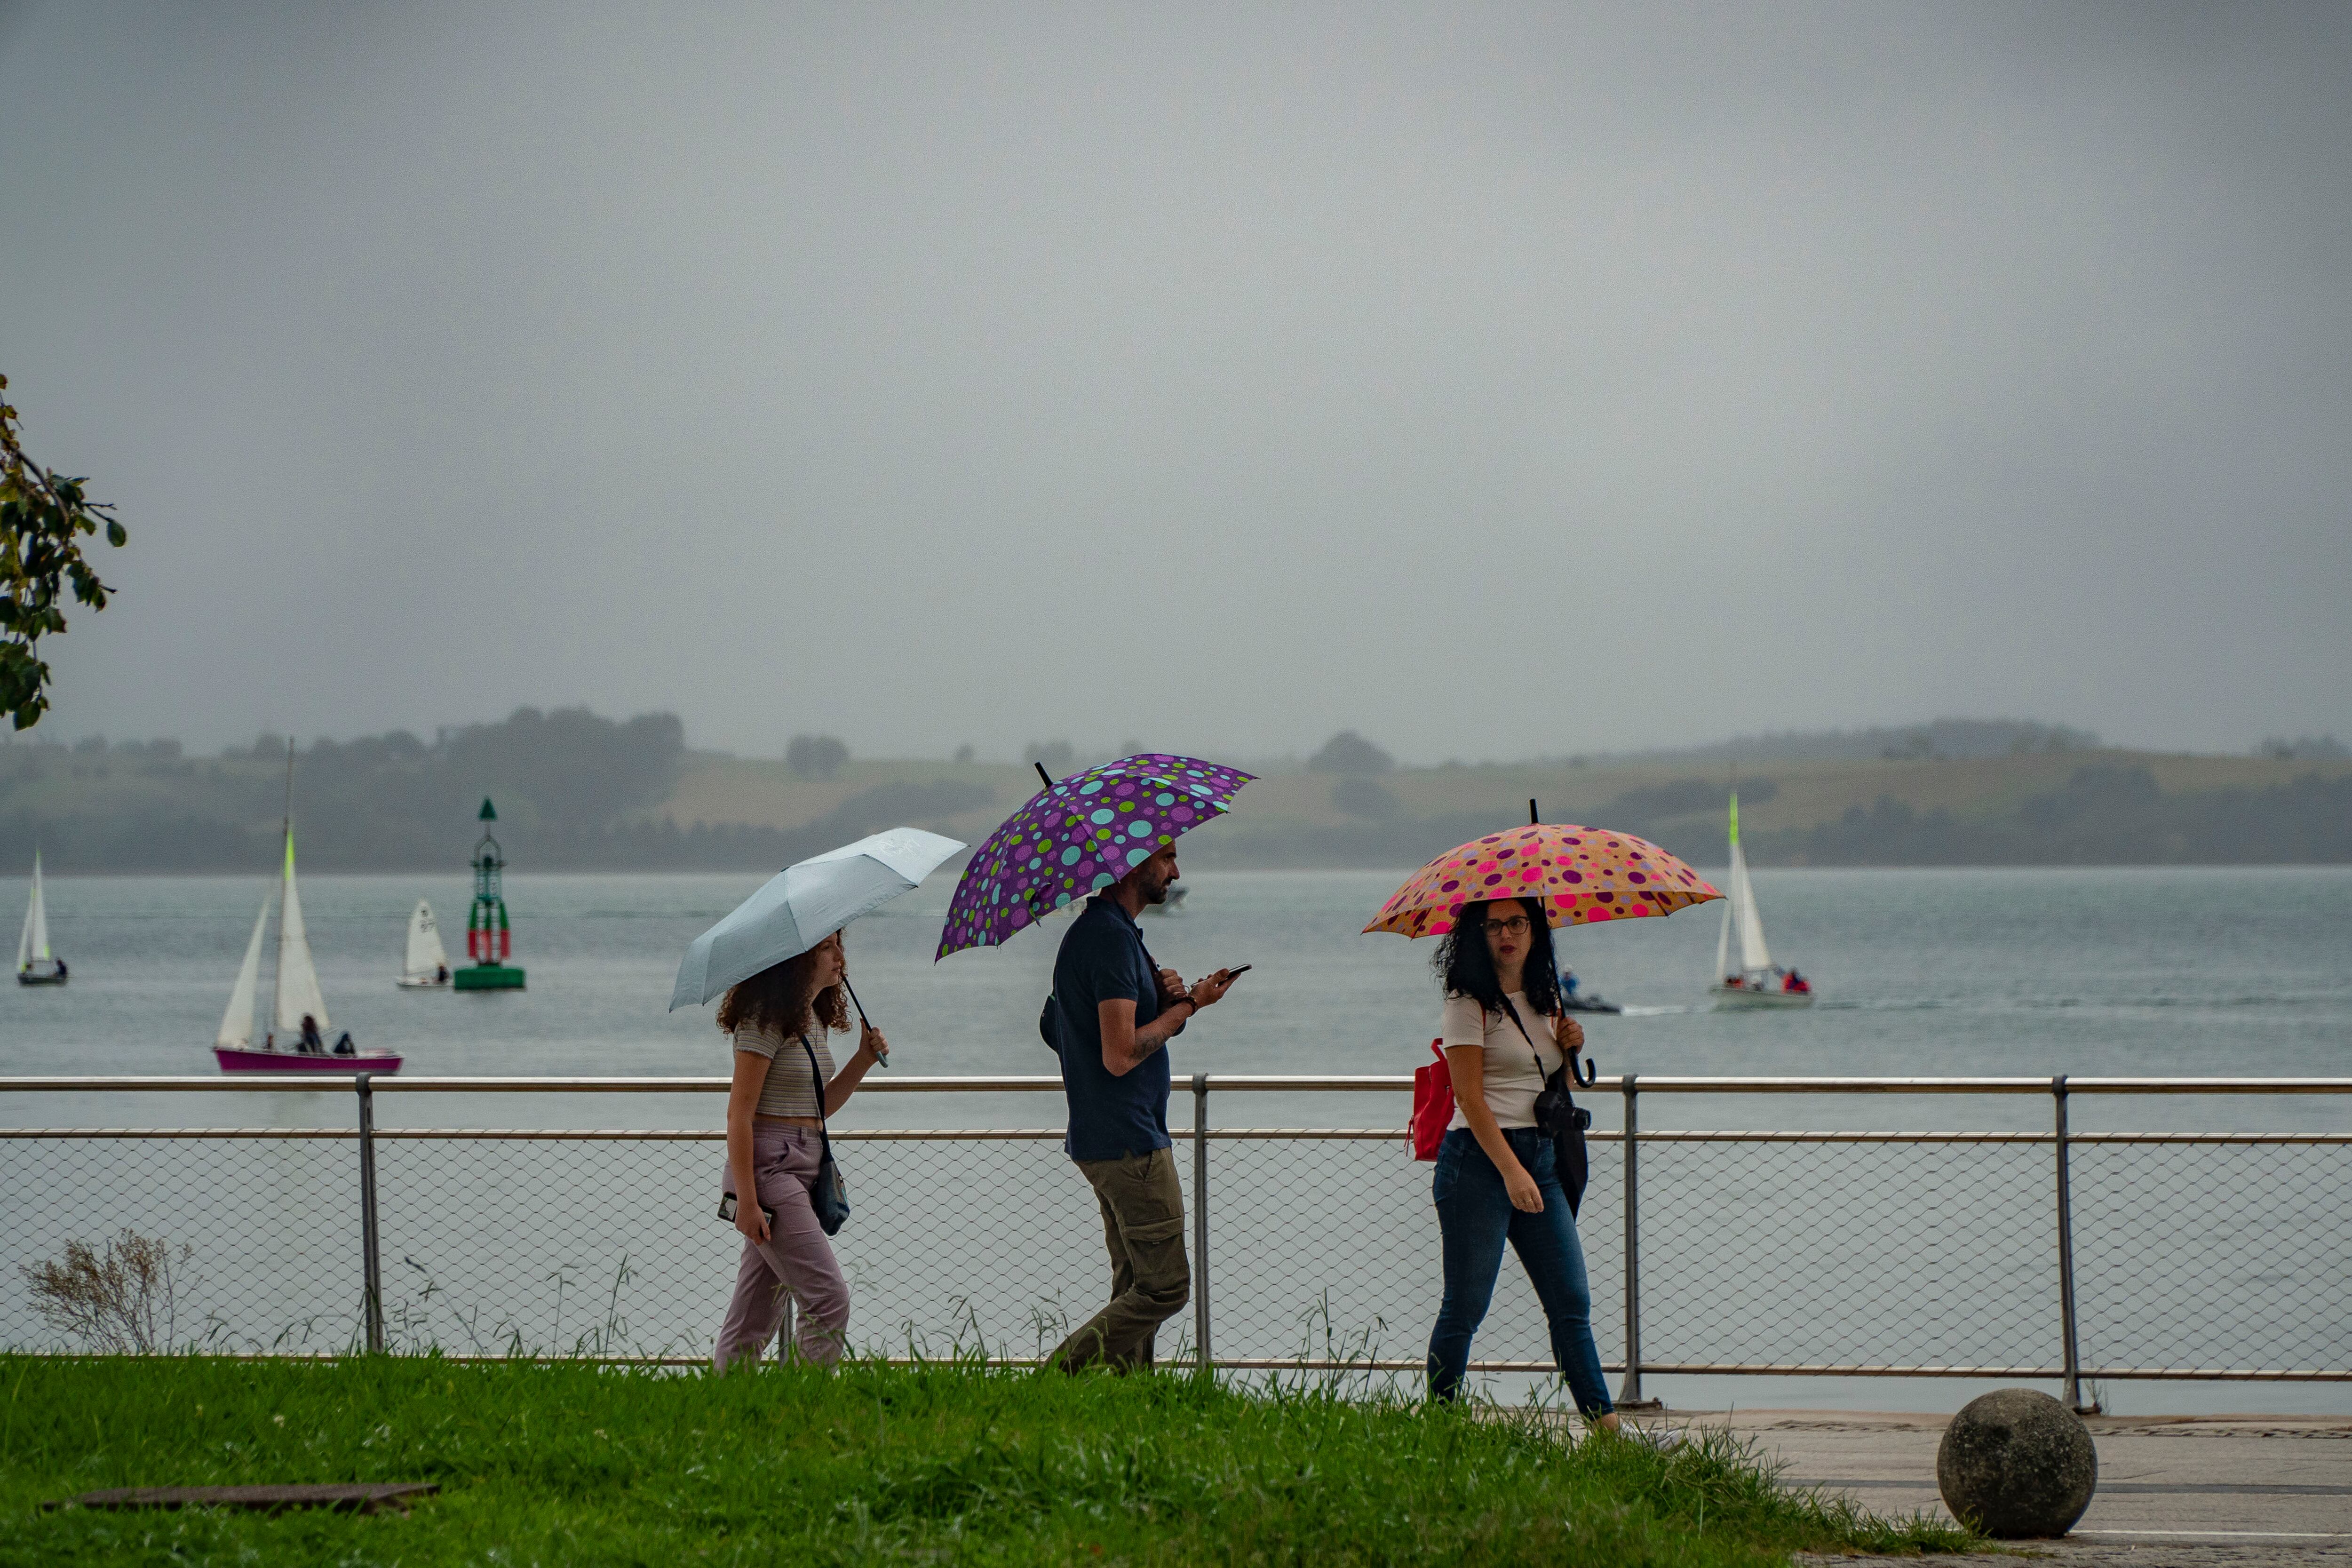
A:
(816, 1089)
(1531, 1039)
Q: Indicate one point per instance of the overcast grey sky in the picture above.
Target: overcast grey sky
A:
(1491, 379)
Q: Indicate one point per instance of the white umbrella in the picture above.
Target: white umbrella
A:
(803, 904)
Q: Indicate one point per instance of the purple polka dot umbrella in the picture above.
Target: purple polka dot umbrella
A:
(1078, 836)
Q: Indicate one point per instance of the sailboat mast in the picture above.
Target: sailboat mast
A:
(1730, 903)
(1738, 874)
(278, 970)
(1741, 901)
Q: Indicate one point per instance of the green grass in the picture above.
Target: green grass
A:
(569, 1463)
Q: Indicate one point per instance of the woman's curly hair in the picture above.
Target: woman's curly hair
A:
(1467, 969)
(783, 997)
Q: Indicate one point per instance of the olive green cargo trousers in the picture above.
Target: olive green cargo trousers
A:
(1143, 1228)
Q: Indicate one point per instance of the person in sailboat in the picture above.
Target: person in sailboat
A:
(784, 1084)
(313, 1044)
(345, 1046)
(441, 977)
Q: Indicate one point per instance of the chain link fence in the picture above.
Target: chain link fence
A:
(2017, 1254)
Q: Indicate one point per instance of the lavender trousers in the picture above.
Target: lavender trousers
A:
(797, 1257)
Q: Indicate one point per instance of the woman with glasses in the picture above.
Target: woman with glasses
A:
(1505, 1033)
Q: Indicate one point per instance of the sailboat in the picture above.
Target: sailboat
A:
(295, 994)
(426, 966)
(1757, 982)
(36, 964)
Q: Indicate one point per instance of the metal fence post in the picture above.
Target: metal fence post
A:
(372, 1264)
(1631, 1395)
(2072, 1354)
(1201, 1217)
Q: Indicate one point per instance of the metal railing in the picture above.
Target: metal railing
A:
(2212, 1256)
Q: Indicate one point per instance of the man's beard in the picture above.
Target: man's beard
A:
(1155, 889)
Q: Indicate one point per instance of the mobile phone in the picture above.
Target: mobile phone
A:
(1233, 974)
(727, 1210)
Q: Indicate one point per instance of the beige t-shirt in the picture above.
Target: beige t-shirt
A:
(1515, 1073)
(787, 1091)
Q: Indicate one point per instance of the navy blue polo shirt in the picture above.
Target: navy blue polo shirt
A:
(1103, 960)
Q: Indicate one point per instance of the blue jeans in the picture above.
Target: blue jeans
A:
(1476, 1216)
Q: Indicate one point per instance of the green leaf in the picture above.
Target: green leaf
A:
(42, 516)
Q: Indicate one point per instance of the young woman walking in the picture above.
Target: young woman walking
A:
(778, 1021)
(1505, 1033)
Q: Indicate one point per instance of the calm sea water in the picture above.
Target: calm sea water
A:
(2155, 972)
(2194, 972)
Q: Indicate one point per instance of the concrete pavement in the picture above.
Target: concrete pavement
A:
(2173, 1491)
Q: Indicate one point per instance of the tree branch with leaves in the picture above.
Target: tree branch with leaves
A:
(43, 518)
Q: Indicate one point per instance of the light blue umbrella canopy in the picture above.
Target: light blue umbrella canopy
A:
(803, 904)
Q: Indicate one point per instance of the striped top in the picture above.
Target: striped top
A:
(787, 1091)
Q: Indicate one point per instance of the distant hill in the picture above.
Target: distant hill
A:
(577, 792)
(1945, 740)
(2040, 807)
(2037, 807)
(574, 791)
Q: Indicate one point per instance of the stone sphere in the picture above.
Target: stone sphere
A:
(2016, 1464)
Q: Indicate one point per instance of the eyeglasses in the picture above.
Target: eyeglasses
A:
(1516, 926)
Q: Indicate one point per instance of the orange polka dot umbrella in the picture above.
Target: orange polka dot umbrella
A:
(1579, 874)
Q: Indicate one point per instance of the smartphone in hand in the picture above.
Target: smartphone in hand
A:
(727, 1210)
(1233, 974)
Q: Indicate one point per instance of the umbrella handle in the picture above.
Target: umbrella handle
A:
(1584, 1070)
(862, 1018)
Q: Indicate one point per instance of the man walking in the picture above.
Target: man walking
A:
(1112, 1013)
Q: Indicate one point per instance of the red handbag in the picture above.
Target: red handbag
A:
(1433, 1103)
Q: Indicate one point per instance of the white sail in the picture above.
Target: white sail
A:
(297, 977)
(1722, 937)
(1753, 955)
(426, 956)
(237, 1024)
(33, 946)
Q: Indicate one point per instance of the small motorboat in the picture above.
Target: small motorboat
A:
(36, 964)
(427, 964)
(1757, 982)
(1575, 998)
(296, 1005)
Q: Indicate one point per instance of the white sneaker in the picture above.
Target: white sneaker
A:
(1665, 1439)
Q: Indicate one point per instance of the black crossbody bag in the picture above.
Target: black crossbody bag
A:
(1559, 1117)
(827, 1195)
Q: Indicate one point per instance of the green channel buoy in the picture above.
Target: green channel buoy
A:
(489, 942)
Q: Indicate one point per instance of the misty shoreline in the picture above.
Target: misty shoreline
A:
(577, 793)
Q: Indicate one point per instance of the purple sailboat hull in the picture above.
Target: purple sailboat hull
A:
(236, 1061)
